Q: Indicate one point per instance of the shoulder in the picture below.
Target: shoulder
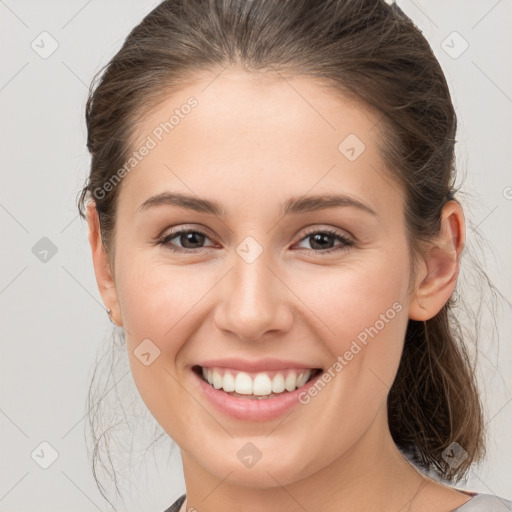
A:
(175, 507)
(479, 503)
(486, 503)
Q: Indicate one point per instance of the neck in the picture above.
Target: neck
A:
(372, 475)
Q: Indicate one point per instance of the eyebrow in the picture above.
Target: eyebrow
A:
(294, 205)
(184, 201)
(306, 204)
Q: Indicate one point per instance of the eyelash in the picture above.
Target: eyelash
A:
(165, 241)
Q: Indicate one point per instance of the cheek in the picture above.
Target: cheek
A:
(156, 300)
(155, 297)
(349, 300)
(363, 312)
(363, 317)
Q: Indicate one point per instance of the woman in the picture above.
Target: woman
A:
(273, 225)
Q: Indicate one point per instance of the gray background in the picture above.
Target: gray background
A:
(52, 318)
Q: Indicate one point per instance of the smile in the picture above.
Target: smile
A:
(256, 385)
(253, 391)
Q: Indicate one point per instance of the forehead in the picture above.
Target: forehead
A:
(267, 101)
(258, 135)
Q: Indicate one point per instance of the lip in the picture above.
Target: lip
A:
(252, 409)
(259, 365)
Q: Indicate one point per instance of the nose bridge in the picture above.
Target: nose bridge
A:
(252, 298)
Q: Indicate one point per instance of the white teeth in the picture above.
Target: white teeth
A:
(290, 382)
(278, 383)
(228, 383)
(243, 383)
(301, 379)
(260, 385)
(217, 379)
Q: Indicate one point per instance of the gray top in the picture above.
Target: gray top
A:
(478, 503)
(485, 503)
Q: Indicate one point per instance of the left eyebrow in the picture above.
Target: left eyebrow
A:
(306, 204)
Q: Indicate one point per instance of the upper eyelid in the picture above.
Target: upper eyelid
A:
(310, 231)
(332, 231)
(179, 230)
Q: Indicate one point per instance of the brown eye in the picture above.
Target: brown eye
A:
(189, 239)
(321, 241)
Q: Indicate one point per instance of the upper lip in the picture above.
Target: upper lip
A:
(256, 365)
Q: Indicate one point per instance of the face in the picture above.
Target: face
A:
(262, 282)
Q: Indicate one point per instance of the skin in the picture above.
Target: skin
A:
(250, 144)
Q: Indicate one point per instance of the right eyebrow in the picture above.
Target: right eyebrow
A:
(184, 201)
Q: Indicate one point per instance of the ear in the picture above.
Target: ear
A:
(102, 270)
(439, 265)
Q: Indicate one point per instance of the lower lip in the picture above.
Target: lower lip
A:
(253, 409)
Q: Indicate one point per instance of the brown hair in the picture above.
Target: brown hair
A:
(372, 52)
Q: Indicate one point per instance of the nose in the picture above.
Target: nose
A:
(254, 301)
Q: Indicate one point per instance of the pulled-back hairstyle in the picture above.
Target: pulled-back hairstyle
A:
(364, 49)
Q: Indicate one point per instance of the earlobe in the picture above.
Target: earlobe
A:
(440, 265)
(102, 270)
